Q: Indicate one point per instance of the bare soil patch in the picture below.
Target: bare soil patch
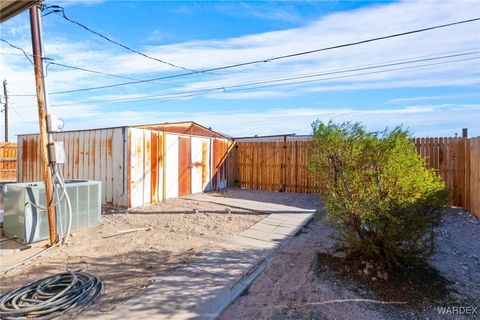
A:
(307, 280)
(180, 228)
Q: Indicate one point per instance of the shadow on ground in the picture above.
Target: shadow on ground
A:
(134, 279)
(299, 200)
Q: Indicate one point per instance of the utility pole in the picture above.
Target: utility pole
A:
(5, 108)
(37, 48)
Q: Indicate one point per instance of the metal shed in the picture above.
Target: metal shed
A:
(137, 165)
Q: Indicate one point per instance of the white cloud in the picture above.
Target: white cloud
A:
(436, 97)
(422, 120)
(75, 2)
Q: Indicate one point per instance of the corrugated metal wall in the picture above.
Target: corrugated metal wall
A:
(188, 164)
(171, 166)
(91, 154)
(145, 172)
(136, 166)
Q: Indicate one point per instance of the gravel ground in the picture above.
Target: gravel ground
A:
(306, 281)
(126, 262)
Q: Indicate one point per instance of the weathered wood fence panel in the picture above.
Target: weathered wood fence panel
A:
(271, 166)
(8, 162)
(447, 156)
(283, 166)
(473, 180)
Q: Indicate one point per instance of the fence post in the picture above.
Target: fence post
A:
(466, 196)
(284, 166)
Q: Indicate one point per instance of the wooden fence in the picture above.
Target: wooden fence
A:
(8, 162)
(272, 166)
(282, 166)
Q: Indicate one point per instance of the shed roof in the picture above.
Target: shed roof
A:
(187, 127)
(184, 127)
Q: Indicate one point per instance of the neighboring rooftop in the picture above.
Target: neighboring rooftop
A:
(278, 137)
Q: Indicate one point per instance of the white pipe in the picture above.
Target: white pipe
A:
(69, 208)
(58, 212)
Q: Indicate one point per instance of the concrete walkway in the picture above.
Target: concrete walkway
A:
(216, 277)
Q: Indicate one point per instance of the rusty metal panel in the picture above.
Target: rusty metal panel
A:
(109, 166)
(136, 167)
(154, 168)
(90, 154)
(206, 165)
(171, 164)
(120, 195)
(184, 166)
(146, 167)
(200, 164)
(147, 160)
(156, 163)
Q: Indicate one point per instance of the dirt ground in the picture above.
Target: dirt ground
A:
(126, 262)
(307, 281)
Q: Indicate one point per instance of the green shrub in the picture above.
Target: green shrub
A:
(376, 189)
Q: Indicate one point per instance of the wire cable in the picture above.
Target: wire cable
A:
(62, 295)
(250, 84)
(61, 10)
(25, 53)
(223, 89)
(254, 61)
(242, 64)
(103, 73)
(51, 62)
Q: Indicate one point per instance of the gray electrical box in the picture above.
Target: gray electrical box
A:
(30, 224)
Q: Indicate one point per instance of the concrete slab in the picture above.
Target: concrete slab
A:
(216, 277)
(256, 206)
(186, 293)
(227, 263)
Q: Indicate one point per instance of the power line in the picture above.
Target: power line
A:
(61, 10)
(273, 58)
(25, 53)
(302, 76)
(88, 70)
(182, 94)
(360, 74)
(169, 84)
(11, 54)
(102, 73)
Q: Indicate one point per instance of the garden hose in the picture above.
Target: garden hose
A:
(63, 295)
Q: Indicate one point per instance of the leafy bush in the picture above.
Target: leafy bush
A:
(375, 186)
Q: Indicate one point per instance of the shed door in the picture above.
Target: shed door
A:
(171, 166)
(184, 166)
(137, 167)
(200, 164)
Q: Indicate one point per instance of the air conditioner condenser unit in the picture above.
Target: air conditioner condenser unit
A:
(29, 224)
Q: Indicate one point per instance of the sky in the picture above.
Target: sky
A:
(427, 82)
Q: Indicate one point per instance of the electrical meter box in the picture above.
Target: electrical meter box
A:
(28, 223)
(56, 152)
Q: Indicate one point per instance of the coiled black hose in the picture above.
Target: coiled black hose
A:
(64, 294)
